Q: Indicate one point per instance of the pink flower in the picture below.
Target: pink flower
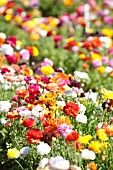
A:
(74, 48)
(25, 54)
(96, 63)
(110, 50)
(11, 59)
(111, 63)
(105, 60)
(11, 40)
(47, 62)
(64, 130)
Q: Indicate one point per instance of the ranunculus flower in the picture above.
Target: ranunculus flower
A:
(64, 129)
(11, 40)
(87, 154)
(6, 49)
(72, 137)
(29, 122)
(34, 136)
(4, 106)
(11, 59)
(81, 118)
(25, 54)
(24, 152)
(47, 70)
(58, 163)
(43, 148)
(71, 109)
(111, 63)
(13, 153)
(43, 163)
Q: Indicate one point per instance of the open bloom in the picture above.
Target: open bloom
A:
(58, 163)
(43, 148)
(4, 106)
(81, 118)
(64, 129)
(71, 109)
(13, 153)
(24, 152)
(87, 154)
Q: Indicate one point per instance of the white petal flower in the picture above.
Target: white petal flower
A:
(43, 148)
(3, 121)
(59, 163)
(81, 118)
(24, 152)
(82, 108)
(4, 106)
(6, 49)
(38, 111)
(61, 103)
(87, 154)
(80, 75)
(91, 95)
(43, 163)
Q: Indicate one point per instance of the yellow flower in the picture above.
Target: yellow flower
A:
(54, 22)
(95, 56)
(3, 2)
(13, 153)
(102, 135)
(85, 139)
(82, 56)
(96, 146)
(35, 51)
(47, 70)
(107, 32)
(8, 17)
(108, 95)
(101, 69)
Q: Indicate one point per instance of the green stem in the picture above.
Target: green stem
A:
(19, 164)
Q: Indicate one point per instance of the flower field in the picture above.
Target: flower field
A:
(56, 92)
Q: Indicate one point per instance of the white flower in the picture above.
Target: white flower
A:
(43, 163)
(61, 103)
(71, 93)
(6, 49)
(106, 41)
(108, 69)
(91, 95)
(24, 152)
(4, 106)
(87, 154)
(80, 75)
(2, 35)
(82, 108)
(25, 113)
(81, 118)
(59, 163)
(3, 121)
(38, 111)
(43, 148)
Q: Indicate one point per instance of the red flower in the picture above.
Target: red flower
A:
(29, 122)
(71, 109)
(4, 70)
(30, 99)
(72, 137)
(34, 136)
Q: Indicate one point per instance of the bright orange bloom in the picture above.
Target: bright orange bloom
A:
(92, 166)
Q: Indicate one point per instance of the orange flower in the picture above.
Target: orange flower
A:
(72, 137)
(1, 41)
(59, 77)
(68, 2)
(71, 109)
(92, 166)
(81, 21)
(64, 119)
(109, 130)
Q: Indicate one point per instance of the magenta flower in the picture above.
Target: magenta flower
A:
(11, 40)
(64, 129)
(11, 59)
(110, 51)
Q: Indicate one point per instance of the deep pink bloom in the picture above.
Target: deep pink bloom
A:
(11, 59)
(111, 63)
(11, 40)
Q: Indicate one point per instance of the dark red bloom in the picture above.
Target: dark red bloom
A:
(29, 122)
(30, 99)
(72, 137)
(4, 70)
(71, 109)
(34, 136)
